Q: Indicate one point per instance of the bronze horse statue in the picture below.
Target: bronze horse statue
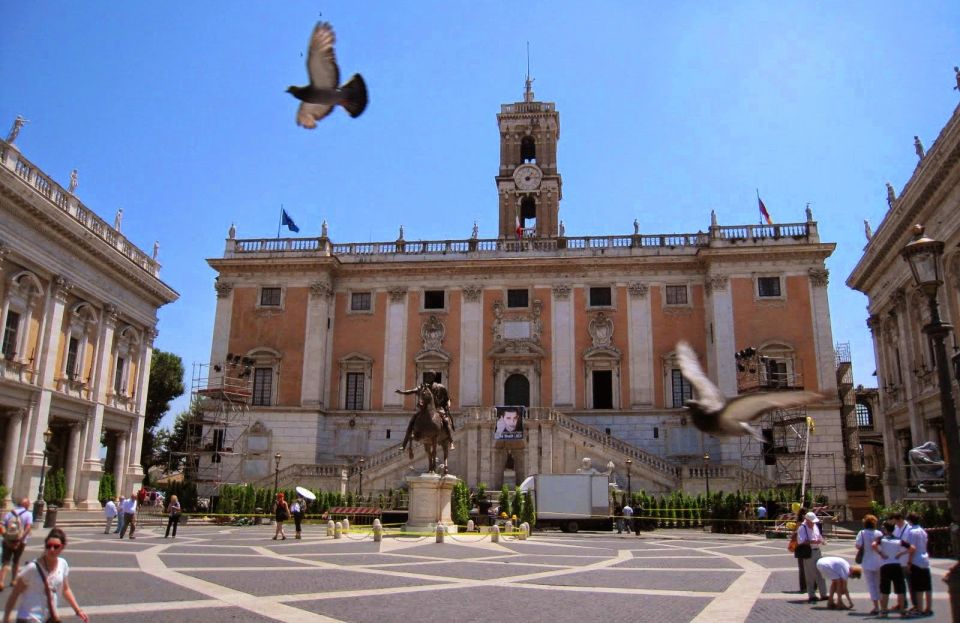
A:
(429, 430)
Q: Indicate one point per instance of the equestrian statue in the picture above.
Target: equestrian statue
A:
(432, 424)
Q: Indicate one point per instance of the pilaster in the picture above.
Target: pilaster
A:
(221, 321)
(721, 337)
(822, 332)
(563, 323)
(315, 343)
(395, 339)
(471, 347)
(71, 468)
(640, 344)
(12, 452)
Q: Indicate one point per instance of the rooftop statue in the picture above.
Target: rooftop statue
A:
(891, 195)
(918, 146)
(15, 129)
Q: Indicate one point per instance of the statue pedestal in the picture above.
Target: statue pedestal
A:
(430, 503)
(510, 478)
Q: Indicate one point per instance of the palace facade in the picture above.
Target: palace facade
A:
(79, 311)
(312, 337)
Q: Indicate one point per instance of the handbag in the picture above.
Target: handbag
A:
(803, 551)
(792, 545)
(859, 557)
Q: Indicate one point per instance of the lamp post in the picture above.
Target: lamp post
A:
(706, 472)
(629, 490)
(276, 473)
(361, 477)
(39, 504)
(923, 255)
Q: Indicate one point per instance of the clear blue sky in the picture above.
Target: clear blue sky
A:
(176, 112)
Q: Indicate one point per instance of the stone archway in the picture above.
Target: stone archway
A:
(516, 390)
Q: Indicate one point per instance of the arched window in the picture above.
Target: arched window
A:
(528, 149)
(516, 391)
(778, 366)
(528, 214)
(864, 415)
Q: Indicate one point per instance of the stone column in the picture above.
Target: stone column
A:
(394, 351)
(135, 469)
(640, 345)
(315, 340)
(10, 459)
(563, 321)
(120, 463)
(92, 466)
(71, 468)
(721, 338)
(823, 334)
(471, 347)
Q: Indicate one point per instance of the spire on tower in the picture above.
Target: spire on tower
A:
(528, 90)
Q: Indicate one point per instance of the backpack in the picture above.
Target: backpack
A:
(13, 528)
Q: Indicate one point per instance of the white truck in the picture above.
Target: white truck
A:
(571, 502)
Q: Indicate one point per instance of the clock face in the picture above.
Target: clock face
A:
(527, 177)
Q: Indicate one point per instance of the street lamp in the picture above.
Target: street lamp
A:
(706, 473)
(923, 255)
(276, 473)
(39, 503)
(361, 477)
(629, 491)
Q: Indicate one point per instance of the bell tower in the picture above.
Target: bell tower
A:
(528, 183)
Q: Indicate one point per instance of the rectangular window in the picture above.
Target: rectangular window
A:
(656, 432)
(118, 387)
(602, 389)
(262, 387)
(768, 286)
(433, 299)
(601, 297)
(776, 372)
(360, 301)
(219, 436)
(270, 297)
(518, 298)
(73, 348)
(676, 295)
(682, 391)
(10, 331)
(354, 398)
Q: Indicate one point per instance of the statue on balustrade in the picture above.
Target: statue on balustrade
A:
(15, 130)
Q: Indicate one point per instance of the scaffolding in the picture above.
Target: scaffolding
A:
(218, 422)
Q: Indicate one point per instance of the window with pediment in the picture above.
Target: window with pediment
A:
(22, 299)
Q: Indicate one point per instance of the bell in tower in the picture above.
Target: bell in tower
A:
(528, 183)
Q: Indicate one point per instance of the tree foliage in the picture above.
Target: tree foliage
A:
(166, 384)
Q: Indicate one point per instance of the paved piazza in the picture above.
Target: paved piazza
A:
(222, 573)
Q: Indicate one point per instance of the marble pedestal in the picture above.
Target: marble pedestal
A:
(430, 503)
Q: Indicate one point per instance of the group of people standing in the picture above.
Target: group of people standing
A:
(891, 559)
(39, 585)
(124, 510)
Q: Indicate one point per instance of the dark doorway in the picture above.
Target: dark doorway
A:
(603, 389)
(516, 391)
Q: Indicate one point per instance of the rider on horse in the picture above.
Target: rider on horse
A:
(441, 399)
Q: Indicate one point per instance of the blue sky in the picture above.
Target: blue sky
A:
(176, 112)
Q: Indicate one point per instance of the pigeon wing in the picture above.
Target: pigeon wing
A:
(321, 61)
(308, 114)
(709, 395)
(750, 407)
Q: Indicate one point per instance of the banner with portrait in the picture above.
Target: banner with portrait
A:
(509, 423)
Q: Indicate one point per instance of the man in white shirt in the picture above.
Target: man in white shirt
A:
(809, 533)
(918, 566)
(109, 512)
(16, 526)
(837, 570)
(627, 517)
(129, 510)
(901, 530)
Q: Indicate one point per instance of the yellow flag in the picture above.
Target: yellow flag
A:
(811, 425)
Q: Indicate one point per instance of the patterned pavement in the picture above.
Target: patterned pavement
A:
(222, 573)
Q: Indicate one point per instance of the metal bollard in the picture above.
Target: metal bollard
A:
(338, 530)
(440, 533)
(330, 528)
(377, 531)
(470, 526)
(495, 534)
(346, 525)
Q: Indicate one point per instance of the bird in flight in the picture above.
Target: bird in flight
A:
(713, 414)
(318, 99)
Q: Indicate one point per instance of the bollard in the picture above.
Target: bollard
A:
(338, 530)
(377, 531)
(346, 525)
(330, 528)
(508, 527)
(524, 531)
(495, 533)
(440, 533)
(470, 526)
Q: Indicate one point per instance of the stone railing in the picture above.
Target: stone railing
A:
(636, 244)
(731, 473)
(293, 473)
(12, 159)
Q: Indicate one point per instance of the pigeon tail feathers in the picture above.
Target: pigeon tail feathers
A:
(354, 95)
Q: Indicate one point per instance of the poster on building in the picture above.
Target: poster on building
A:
(509, 423)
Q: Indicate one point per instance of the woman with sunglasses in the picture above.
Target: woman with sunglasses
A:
(40, 584)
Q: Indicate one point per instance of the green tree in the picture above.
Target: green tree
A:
(504, 501)
(460, 501)
(529, 512)
(107, 490)
(166, 384)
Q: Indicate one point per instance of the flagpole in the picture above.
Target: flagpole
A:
(280, 224)
(758, 203)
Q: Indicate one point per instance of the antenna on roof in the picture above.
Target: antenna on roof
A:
(528, 91)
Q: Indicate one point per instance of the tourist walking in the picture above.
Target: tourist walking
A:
(891, 550)
(297, 511)
(16, 527)
(918, 568)
(173, 516)
(281, 513)
(41, 583)
(809, 541)
(627, 513)
(129, 510)
(109, 512)
(871, 561)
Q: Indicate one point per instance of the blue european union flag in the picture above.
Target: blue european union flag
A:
(286, 220)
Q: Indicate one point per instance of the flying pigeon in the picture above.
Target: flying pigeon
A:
(323, 93)
(715, 415)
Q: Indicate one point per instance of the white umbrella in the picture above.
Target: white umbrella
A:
(306, 494)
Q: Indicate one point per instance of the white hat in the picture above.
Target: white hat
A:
(811, 516)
